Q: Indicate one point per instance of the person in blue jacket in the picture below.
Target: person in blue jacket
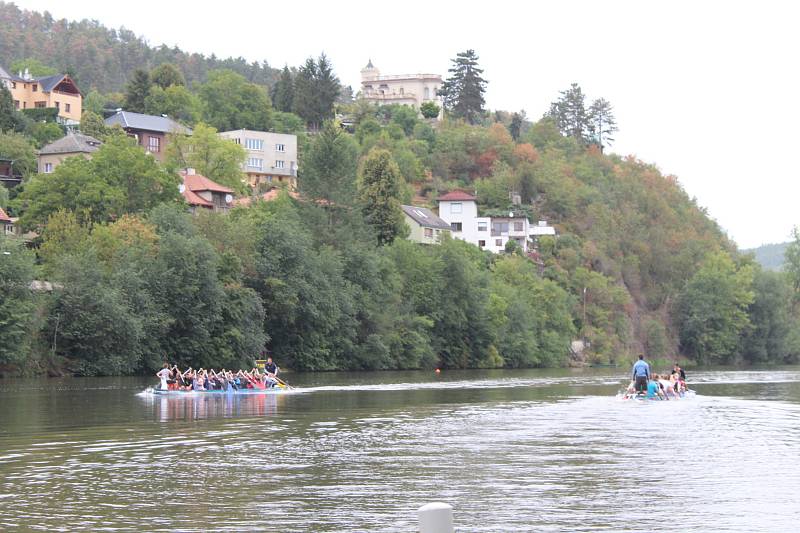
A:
(641, 374)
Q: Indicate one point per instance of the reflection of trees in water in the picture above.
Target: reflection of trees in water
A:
(207, 406)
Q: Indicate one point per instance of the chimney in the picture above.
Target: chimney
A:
(27, 74)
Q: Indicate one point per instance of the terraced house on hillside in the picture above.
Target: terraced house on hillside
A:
(58, 91)
(271, 157)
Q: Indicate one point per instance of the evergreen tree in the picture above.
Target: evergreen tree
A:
(137, 91)
(462, 92)
(603, 123)
(571, 115)
(316, 88)
(327, 88)
(379, 185)
(166, 75)
(303, 101)
(283, 91)
(516, 126)
(329, 167)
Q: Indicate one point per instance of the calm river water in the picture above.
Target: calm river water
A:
(510, 450)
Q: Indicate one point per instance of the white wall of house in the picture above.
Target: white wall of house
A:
(463, 219)
(271, 157)
(485, 232)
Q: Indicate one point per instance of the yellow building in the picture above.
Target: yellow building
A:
(57, 91)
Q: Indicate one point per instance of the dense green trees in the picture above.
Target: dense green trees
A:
(712, 309)
(322, 281)
(210, 155)
(16, 300)
(120, 178)
(231, 102)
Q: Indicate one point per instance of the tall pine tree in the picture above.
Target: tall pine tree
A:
(137, 91)
(283, 91)
(462, 92)
(571, 116)
(604, 125)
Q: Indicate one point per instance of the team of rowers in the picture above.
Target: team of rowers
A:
(171, 378)
(662, 386)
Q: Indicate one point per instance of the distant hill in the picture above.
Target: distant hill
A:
(769, 256)
(103, 58)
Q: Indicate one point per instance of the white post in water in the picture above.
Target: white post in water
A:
(435, 517)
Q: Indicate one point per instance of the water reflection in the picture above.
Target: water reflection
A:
(198, 407)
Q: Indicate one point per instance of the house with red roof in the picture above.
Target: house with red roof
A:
(6, 224)
(203, 193)
(460, 210)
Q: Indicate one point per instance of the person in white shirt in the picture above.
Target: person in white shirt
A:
(164, 374)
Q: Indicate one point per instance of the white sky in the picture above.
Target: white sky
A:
(706, 90)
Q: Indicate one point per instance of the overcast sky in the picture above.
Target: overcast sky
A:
(705, 90)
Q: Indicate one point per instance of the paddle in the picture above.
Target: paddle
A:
(282, 383)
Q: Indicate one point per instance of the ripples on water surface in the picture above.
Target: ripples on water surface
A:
(511, 451)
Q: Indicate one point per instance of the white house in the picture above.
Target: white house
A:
(406, 89)
(460, 210)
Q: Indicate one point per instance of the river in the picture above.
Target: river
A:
(528, 450)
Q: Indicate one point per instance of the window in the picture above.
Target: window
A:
(154, 145)
(429, 233)
(517, 225)
(253, 144)
(255, 162)
(13, 85)
(48, 168)
(16, 104)
(280, 147)
(427, 93)
(237, 140)
(35, 87)
(498, 242)
(482, 226)
(58, 106)
(67, 108)
(9, 229)
(402, 91)
(40, 105)
(455, 226)
(482, 244)
(455, 208)
(279, 164)
(499, 227)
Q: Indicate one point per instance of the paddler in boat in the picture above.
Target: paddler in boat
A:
(641, 374)
(271, 371)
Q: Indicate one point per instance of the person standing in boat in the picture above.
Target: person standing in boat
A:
(641, 374)
(271, 370)
(164, 374)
